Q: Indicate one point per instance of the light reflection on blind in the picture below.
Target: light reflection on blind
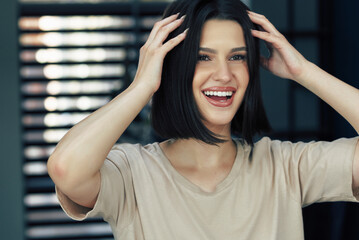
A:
(64, 103)
(143, 37)
(71, 87)
(35, 168)
(55, 39)
(38, 200)
(54, 71)
(49, 55)
(53, 119)
(71, 230)
(47, 215)
(52, 23)
(38, 152)
(44, 136)
(148, 22)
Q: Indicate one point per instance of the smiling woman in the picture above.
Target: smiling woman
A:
(219, 37)
(223, 72)
(202, 183)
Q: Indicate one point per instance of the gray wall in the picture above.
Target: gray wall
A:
(11, 207)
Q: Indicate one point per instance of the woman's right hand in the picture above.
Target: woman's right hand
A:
(152, 54)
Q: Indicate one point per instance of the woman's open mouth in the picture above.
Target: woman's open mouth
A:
(219, 98)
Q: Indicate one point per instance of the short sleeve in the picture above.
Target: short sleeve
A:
(319, 171)
(115, 202)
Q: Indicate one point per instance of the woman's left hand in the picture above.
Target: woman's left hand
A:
(284, 60)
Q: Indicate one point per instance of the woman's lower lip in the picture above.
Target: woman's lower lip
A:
(218, 103)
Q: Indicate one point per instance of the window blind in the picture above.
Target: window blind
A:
(74, 58)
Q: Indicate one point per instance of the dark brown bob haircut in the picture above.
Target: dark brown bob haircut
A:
(174, 110)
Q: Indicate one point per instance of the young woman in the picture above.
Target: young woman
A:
(201, 65)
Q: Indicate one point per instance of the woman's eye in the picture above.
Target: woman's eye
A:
(203, 58)
(238, 57)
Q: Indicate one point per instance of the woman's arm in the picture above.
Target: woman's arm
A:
(75, 164)
(286, 62)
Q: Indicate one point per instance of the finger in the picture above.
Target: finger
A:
(263, 22)
(170, 44)
(163, 33)
(274, 40)
(160, 24)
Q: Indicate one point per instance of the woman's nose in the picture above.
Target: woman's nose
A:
(222, 72)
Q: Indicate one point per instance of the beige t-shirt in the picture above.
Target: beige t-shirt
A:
(142, 196)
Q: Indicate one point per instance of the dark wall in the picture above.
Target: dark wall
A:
(346, 67)
(346, 51)
(11, 184)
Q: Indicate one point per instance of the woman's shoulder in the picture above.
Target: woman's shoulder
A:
(301, 145)
(134, 151)
(133, 148)
(137, 158)
(270, 145)
(260, 142)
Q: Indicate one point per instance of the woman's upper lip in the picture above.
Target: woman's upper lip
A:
(224, 89)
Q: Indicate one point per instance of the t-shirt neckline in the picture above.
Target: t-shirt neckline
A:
(234, 172)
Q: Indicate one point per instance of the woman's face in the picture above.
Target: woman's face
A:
(221, 75)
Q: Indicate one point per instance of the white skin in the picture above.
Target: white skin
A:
(75, 164)
(221, 63)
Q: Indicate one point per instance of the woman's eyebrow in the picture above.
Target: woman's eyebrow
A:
(239, 49)
(210, 50)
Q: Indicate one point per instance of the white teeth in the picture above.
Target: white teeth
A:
(218, 93)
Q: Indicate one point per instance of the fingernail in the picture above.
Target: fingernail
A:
(183, 17)
(185, 32)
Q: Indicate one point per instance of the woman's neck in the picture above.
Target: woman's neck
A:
(195, 154)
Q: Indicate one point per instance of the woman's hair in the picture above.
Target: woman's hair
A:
(174, 110)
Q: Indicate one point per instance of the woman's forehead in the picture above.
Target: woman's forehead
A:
(222, 32)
